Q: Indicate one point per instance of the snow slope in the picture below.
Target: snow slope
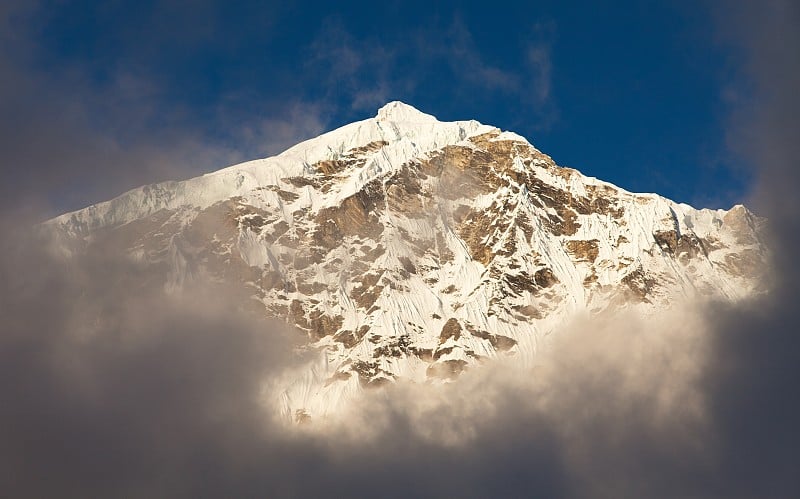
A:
(406, 247)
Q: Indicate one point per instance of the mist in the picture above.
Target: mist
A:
(115, 387)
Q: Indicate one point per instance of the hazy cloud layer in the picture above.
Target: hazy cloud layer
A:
(70, 139)
(757, 348)
(112, 387)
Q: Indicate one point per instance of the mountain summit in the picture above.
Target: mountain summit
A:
(399, 111)
(403, 247)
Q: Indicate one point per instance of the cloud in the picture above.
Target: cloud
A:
(71, 139)
(763, 125)
(356, 70)
(539, 59)
(367, 71)
(756, 346)
(612, 408)
(272, 134)
(457, 48)
(113, 387)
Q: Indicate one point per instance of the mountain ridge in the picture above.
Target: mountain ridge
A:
(409, 248)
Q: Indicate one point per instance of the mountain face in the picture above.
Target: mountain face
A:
(405, 247)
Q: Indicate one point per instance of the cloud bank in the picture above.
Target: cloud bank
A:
(113, 387)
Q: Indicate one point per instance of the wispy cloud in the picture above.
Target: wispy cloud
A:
(72, 139)
(358, 70)
(368, 71)
(456, 47)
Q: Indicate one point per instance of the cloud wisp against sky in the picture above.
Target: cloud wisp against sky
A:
(70, 138)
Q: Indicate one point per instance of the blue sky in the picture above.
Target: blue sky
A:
(637, 93)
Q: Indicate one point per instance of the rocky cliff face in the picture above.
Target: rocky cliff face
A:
(405, 247)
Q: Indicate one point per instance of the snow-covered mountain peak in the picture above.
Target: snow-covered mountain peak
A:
(401, 112)
(410, 248)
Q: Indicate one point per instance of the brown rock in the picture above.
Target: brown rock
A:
(586, 251)
(451, 329)
(545, 278)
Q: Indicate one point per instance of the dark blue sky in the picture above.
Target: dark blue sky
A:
(636, 93)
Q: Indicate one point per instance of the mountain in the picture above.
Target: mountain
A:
(406, 247)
